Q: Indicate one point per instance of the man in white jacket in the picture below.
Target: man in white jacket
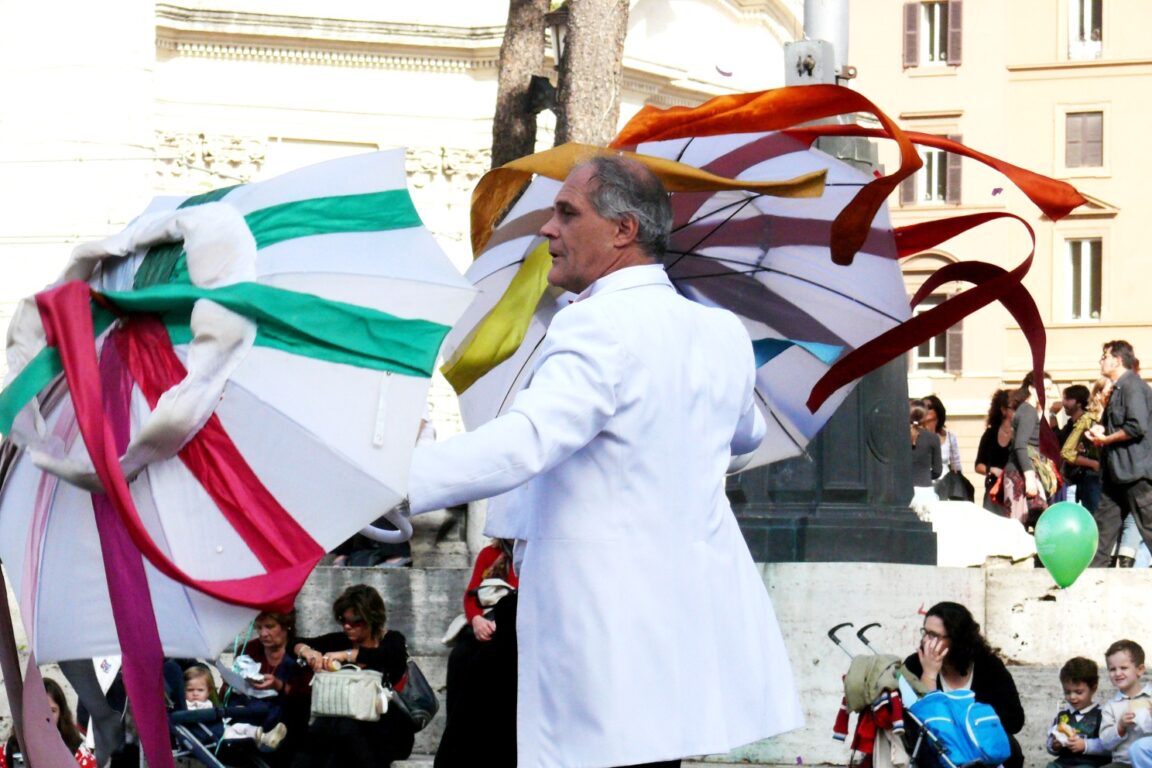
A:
(645, 632)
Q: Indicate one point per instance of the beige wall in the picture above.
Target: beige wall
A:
(1007, 98)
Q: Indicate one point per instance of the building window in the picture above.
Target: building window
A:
(1085, 29)
(1084, 262)
(1084, 140)
(937, 183)
(941, 353)
(932, 33)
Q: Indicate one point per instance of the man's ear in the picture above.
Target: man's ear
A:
(627, 229)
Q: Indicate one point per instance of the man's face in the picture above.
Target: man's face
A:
(1071, 406)
(581, 241)
(1110, 365)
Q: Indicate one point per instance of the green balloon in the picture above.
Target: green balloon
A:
(1066, 537)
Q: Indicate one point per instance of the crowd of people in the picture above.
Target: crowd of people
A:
(1097, 453)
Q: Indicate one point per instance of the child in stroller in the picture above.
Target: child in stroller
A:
(204, 730)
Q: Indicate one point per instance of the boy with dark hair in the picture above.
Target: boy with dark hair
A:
(1126, 716)
(1075, 734)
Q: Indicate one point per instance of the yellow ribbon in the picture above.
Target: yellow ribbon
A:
(498, 335)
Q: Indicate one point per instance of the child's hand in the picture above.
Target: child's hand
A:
(1076, 744)
(1125, 722)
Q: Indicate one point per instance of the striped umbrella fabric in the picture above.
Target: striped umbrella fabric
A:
(763, 253)
(350, 298)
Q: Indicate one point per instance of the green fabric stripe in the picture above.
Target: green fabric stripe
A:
(39, 373)
(297, 323)
(370, 212)
(167, 263)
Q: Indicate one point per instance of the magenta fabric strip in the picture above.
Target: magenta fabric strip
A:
(42, 743)
(142, 653)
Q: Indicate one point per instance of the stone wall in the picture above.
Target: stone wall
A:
(1035, 625)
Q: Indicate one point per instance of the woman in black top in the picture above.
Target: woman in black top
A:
(995, 445)
(954, 655)
(341, 742)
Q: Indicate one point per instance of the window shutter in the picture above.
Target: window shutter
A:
(952, 183)
(1093, 147)
(911, 34)
(908, 190)
(954, 349)
(955, 32)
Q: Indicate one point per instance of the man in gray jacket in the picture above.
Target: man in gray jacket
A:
(1127, 450)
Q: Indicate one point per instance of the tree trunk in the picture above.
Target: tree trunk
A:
(521, 56)
(588, 99)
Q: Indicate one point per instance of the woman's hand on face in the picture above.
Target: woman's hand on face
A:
(932, 651)
(483, 628)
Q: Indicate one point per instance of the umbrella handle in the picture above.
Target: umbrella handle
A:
(398, 517)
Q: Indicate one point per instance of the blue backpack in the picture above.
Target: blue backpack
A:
(962, 730)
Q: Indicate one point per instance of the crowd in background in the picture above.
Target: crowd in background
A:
(1089, 446)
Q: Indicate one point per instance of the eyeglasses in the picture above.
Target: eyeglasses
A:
(350, 621)
(931, 634)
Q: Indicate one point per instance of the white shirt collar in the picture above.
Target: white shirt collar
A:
(1146, 691)
(628, 277)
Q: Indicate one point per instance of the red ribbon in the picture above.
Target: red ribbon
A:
(210, 456)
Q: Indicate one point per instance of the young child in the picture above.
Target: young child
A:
(1075, 734)
(200, 693)
(1125, 716)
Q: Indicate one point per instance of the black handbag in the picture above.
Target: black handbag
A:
(953, 486)
(417, 700)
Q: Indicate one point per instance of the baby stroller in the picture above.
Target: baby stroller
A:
(197, 733)
(900, 723)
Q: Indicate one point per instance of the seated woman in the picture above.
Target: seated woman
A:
(341, 742)
(61, 713)
(280, 675)
(953, 655)
(481, 706)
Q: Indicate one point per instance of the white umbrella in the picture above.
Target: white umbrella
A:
(308, 312)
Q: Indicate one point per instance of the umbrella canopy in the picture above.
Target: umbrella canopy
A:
(761, 253)
(337, 312)
(796, 243)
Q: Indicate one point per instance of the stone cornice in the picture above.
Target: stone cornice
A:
(179, 21)
(242, 36)
(302, 53)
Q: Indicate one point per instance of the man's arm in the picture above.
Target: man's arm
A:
(570, 398)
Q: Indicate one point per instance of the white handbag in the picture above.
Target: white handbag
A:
(349, 692)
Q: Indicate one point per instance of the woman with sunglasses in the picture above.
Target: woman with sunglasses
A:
(364, 640)
(953, 655)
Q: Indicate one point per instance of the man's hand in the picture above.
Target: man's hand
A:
(483, 628)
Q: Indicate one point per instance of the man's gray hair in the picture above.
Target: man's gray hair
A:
(624, 187)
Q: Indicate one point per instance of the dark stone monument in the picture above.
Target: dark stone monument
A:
(847, 500)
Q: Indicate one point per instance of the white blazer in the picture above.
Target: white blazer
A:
(645, 632)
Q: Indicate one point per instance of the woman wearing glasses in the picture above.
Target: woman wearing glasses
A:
(341, 742)
(953, 655)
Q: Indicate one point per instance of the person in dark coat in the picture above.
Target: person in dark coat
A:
(953, 655)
